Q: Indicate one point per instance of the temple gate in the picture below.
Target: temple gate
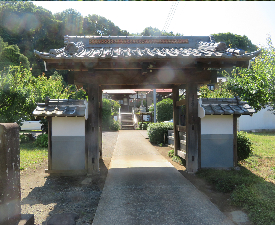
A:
(176, 62)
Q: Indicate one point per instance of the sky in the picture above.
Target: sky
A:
(256, 20)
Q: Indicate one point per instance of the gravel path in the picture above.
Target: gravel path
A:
(44, 195)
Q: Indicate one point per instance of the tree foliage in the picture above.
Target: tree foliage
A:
(109, 109)
(20, 91)
(31, 27)
(10, 55)
(220, 92)
(165, 110)
(235, 41)
(256, 84)
(150, 31)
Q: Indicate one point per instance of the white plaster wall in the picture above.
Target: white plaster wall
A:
(68, 126)
(217, 124)
(263, 119)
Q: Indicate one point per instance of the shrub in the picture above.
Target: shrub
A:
(165, 110)
(156, 132)
(109, 109)
(171, 153)
(115, 125)
(143, 126)
(176, 159)
(244, 146)
(25, 138)
(42, 140)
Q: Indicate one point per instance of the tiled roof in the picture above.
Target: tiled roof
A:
(61, 108)
(226, 106)
(94, 48)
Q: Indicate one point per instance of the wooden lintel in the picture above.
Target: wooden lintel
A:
(83, 64)
(141, 86)
(181, 128)
(181, 102)
(134, 77)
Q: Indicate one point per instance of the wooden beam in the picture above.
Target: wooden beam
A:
(134, 77)
(181, 128)
(181, 102)
(50, 143)
(84, 64)
(176, 120)
(235, 147)
(192, 128)
(100, 122)
(92, 131)
(155, 86)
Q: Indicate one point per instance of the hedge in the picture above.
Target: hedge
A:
(156, 131)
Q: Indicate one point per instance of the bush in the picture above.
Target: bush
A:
(109, 109)
(156, 132)
(42, 140)
(244, 146)
(176, 159)
(115, 125)
(165, 110)
(25, 138)
(143, 126)
(171, 153)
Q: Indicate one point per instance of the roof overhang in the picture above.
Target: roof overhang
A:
(97, 53)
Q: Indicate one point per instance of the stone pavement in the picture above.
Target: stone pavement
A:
(142, 187)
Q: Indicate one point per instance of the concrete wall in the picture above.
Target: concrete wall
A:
(68, 143)
(263, 119)
(217, 141)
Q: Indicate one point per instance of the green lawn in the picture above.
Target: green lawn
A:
(262, 162)
(253, 186)
(32, 156)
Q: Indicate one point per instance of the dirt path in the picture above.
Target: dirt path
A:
(44, 195)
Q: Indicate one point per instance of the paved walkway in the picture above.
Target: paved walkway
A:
(142, 187)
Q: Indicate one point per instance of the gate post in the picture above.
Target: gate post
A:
(92, 130)
(176, 119)
(192, 128)
(100, 122)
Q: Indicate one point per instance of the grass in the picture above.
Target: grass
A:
(253, 186)
(32, 156)
(176, 158)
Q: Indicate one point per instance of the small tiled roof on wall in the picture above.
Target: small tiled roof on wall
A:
(144, 48)
(226, 106)
(61, 108)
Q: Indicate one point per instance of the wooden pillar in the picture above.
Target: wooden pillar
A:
(192, 128)
(92, 130)
(176, 119)
(49, 143)
(235, 129)
(100, 122)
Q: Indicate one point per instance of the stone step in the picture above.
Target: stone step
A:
(126, 121)
(127, 127)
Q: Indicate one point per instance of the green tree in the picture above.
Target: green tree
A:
(235, 41)
(20, 91)
(256, 84)
(72, 22)
(98, 25)
(150, 31)
(16, 99)
(220, 92)
(165, 110)
(10, 55)
(109, 109)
